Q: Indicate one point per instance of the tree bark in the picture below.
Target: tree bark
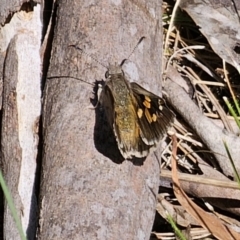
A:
(21, 106)
(85, 192)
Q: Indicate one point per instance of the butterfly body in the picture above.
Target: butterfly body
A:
(138, 117)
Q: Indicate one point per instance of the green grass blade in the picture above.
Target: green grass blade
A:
(237, 106)
(233, 165)
(231, 110)
(175, 228)
(12, 207)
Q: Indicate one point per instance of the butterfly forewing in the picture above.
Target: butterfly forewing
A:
(116, 95)
(156, 117)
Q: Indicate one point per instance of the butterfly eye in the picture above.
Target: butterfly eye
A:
(107, 74)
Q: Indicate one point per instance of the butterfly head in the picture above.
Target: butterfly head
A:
(114, 69)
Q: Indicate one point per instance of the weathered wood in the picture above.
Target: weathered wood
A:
(84, 194)
(20, 117)
(212, 135)
(8, 8)
(10, 146)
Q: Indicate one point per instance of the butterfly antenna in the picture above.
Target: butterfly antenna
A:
(89, 55)
(140, 40)
(79, 79)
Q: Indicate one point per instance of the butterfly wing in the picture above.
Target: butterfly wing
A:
(121, 113)
(129, 139)
(139, 118)
(154, 117)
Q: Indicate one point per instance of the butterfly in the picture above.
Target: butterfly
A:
(139, 118)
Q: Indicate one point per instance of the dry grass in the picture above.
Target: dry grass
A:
(207, 81)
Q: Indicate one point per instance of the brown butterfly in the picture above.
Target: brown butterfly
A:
(139, 118)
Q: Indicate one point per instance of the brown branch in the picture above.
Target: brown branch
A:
(85, 194)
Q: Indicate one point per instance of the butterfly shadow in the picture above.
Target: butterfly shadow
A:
(104, 138)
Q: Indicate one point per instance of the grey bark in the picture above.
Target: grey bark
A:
(9, 7)
(85, 192)
(10, 147)
(211, 135)
(21, 103)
